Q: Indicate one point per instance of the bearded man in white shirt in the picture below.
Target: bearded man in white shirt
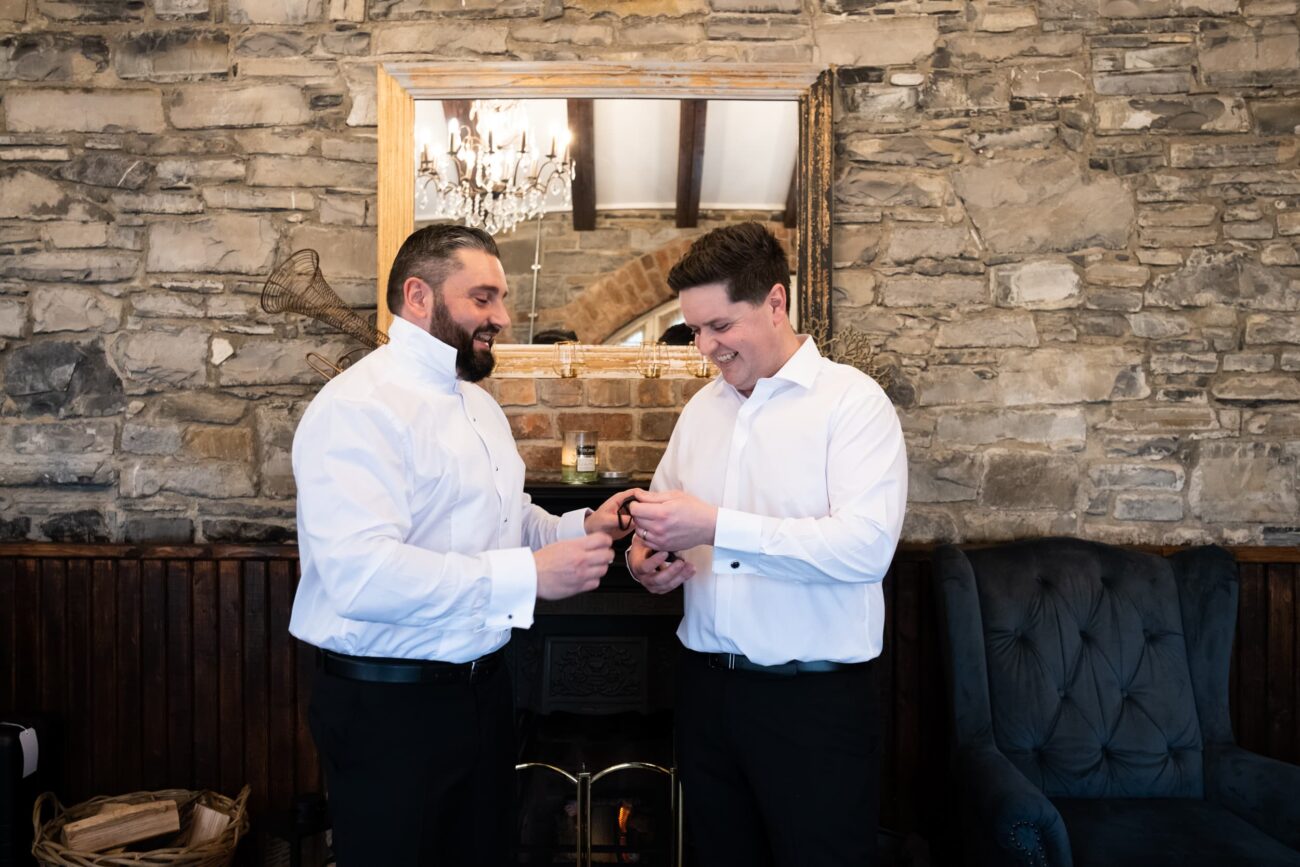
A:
(420, 552)
(781, 494)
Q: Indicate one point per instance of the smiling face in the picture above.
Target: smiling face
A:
(467, 314)
(747, 342)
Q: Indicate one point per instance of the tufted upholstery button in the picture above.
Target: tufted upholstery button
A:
(1060, 693)
(1123, 693)
(1083, 636)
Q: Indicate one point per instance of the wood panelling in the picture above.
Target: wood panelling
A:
(174, 667)
(165, 667)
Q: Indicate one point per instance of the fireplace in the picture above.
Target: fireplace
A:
(594, 696)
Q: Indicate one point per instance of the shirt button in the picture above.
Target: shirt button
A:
(735, 564)
(510, 617)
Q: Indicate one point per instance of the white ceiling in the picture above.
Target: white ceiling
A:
(750, 149)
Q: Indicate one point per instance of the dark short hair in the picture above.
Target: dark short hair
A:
(430, 254)
(746, 257)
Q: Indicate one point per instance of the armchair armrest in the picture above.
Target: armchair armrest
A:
(1016, 821)
(1260, 790)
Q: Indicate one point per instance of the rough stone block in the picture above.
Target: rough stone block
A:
(1272, 328)
(144, 438)
(91, 11)
(1049, 80)
(345, 253)
(272, 361)
(240, 199)
(172, 55)
(908, 243)
(157, 530)
(1235, 53)
(944, 479)
(277, 171)
(989, 329)
(864, 188)
(879, 41)
(63, 379)
(1135, 83)
(1148, 507)
(1230, 278)
(80, 266)
(157, 360)
(104, 110)
(1026, 480)
(276, 11)
(1234, 482)
(1060, 429)
(1037, 285)
(82, 527)
(1197, 155)
(934, 292)
(68, 309)
(13, 317)
(459, 41)
(51, 57)
(1177, 215)
(1068, 376)
(1258, 388)
(1130, 476)
(1172, 114)
(205, 106)
(1253, 362)
(1040, 205)
(26, 195)
(222, 244)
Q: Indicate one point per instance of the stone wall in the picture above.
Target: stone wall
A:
(1071, 224)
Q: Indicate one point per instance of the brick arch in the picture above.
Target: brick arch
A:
(620, 296)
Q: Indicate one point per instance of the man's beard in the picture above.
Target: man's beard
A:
(471, 364)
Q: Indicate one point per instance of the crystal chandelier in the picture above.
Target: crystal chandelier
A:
(494, 174)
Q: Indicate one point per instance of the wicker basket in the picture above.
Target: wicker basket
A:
(218, 852)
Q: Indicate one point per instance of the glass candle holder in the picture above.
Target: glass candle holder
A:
(568, 359)
(578, 457)
(650, 361)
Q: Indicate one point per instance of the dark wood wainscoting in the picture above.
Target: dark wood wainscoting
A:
(173, 666)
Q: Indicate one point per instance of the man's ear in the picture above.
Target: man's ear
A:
(417, 297)
(776, 298)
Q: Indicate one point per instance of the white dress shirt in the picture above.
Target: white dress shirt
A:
(413, 526)
(810, 477)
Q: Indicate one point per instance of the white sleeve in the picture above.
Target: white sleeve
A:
(353, 475)
(867, 490)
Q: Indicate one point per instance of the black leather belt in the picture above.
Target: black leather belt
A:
(376, 669)
(737, 662)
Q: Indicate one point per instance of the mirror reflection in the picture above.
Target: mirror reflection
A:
(592, 201)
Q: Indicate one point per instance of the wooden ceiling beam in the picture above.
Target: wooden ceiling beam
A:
(690, 162)
(582, 150)
(792, 199)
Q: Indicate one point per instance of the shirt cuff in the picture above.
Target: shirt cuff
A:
(513, 576)
(571, 526)
(739, 531)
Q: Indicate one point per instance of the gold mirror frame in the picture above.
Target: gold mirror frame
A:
(400, 84)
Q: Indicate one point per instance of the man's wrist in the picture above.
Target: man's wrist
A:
(627, 561)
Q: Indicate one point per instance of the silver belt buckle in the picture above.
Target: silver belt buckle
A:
(731, 661)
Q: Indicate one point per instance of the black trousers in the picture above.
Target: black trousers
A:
(778, 770)
(418, 774)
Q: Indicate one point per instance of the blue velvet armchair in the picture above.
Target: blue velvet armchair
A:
(1089, 689)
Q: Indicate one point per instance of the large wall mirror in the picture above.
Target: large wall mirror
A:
(600, 174)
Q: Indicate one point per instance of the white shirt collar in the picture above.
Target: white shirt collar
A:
(432, 358)
(799, 369)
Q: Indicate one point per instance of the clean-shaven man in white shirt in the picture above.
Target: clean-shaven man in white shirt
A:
(781, 494)
(420, 552)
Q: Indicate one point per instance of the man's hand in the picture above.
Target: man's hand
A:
(652, 570)
(674, 520)
(606, 518)
(573, 566)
